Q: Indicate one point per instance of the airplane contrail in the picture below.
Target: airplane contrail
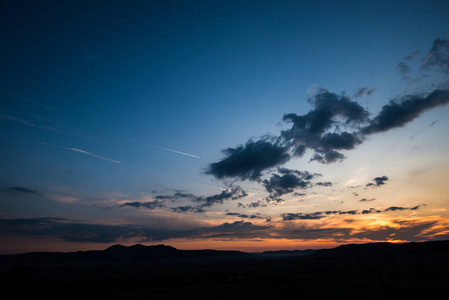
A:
(29, 100)
(83, 152)
(175, 151)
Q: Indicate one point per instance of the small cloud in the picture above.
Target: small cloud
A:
(287, 181)
(19, 189)
(378, 181)
(364, 91)
(150, 205)
(187, 208)
(412, 56)
(399, 208)
(233, 194)
(403, 68)
(438, 56)
(244, 216)
(367, 200)
(202, 201)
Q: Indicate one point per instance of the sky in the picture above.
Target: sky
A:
(245, 125)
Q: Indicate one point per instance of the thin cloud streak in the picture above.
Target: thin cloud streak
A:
(29, 100)
(167, 149)
(17, 120)
(83, 152)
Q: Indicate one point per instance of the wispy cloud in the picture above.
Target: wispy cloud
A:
(19, 189)
(163, 148)
(323, 214)
(27, 99)
(83, 152)
(49, 128)
(17, 120)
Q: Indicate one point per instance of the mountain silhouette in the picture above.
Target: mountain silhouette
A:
(385, 248)
(354, 271)
(161, 254)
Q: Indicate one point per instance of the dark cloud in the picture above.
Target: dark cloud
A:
(340, 141)
(412, 56)
(100, 233)
(311, 131)
(327, 183)
(259, 203)
(151, 205)
(200, 201)
(322, 214)
(248, 161)
(378, 181)
(244, 216)
(438, 56)
(233, 194)
(403, 68)
(364, 91)
(370, 211)
(19, 189)
(23, 223)
(287, 181)
(299, 194)
(177, 196)
(400, 112)
(302, 216)
(396, 208)
(69, 231)
(205, 201)
(367, 200)
(237, 229)
(334, 124)
(328, 157)
(188, 208)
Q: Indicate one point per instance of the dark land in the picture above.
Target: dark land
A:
(362, 271)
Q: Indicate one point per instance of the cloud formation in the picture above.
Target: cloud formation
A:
(323, 214)
(19, 189)
(286, 182)
(329, 127)
(378, 181)
(367, 200)
(364, 91)
(151, 205)
(233, 194)
(334, 124)
(237, 229)
(245, 216)
(438, 56)
(198, 202)
(249, 160)
(404, 110)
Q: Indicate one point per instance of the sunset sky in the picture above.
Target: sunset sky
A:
(246, 125)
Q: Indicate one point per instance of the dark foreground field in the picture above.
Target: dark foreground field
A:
(371, 271)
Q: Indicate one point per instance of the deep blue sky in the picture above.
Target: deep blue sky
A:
(91, 90)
